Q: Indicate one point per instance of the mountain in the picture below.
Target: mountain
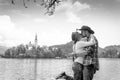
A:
(117, 47)
(67, 48)
(112, 51)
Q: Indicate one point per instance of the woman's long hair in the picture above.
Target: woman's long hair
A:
(75, 36)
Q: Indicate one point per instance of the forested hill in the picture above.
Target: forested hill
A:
(67, 48)
(109, 51)
(2, 49)
(112, 51)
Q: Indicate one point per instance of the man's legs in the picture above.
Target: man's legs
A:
(88, 72)
(78, 71)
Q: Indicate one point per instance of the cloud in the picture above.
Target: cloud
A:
(73, 7)
(77, 6)
(73, 18)
(118, 0)
(72, 10)
(20, 13)
(39, 20)
(10, 35)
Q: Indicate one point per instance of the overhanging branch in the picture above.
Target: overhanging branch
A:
(48, 4)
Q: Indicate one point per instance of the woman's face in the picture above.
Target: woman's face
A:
(83, 32)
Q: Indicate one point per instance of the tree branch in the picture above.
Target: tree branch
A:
(13, 2)
(48, 4)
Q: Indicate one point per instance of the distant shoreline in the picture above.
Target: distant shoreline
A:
(31, 58)
(46, 58)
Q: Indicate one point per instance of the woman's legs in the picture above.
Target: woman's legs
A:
(78, 71)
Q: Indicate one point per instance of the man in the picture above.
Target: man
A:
(85, 67)
(90, 62)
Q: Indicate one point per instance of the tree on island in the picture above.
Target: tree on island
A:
(22, 51)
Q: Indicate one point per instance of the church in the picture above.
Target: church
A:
(34, 44)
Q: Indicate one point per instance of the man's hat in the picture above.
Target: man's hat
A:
(87, 28)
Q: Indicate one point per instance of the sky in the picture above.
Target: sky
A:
(19, 25)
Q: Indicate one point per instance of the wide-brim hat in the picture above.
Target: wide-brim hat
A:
(87, 28)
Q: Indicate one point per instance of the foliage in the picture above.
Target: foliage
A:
(49, 5)
(61, 51)
(107, 52)
(111, 52)
(23, 51)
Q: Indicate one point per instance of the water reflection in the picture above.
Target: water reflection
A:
(14, 69)
(109, 70)
(23, 69)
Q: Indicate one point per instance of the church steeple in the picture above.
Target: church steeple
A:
(36, 41)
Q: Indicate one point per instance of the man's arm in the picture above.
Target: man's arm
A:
(89, 43)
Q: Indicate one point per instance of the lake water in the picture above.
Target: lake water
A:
(24, 69)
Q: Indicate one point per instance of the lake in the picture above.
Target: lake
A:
(24, 69)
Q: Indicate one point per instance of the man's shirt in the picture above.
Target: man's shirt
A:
(92, 56)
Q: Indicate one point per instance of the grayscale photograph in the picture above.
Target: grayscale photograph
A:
(59, 40)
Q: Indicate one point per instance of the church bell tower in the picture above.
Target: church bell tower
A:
(36, 41)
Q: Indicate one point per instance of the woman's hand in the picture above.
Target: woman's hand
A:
(72, 54)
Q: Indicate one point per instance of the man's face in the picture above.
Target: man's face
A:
(85, 33)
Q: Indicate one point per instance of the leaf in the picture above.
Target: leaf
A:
(35, 1)
(13, 2)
